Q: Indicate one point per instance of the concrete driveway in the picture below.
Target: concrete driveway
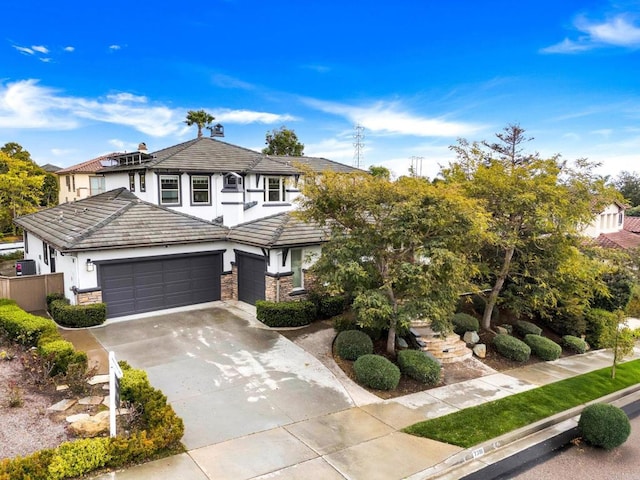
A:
(223, 374)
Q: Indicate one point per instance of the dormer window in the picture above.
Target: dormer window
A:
(232, 181)
(274, 189)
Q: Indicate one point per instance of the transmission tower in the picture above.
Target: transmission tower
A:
(358, 146)
(416, 166)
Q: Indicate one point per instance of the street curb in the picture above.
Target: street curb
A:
(501, 455)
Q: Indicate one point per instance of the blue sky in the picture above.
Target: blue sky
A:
(80, 79)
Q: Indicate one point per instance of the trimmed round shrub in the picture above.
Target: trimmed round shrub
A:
(542, 347)
(522, 328)
(463, 322)
(377, 372)
(604, 425)
(352, 344)
(417, 365)
(512, 348)
(575, 344)
(345, 321)
(285, 314)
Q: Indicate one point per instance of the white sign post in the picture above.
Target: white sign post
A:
(115, 374)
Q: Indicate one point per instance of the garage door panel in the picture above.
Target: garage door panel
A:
(251, 283)
(148, 285)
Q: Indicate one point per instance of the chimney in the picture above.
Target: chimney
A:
(142, 147)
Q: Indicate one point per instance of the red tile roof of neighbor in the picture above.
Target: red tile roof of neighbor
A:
(622, 239)
(632, 224)
(90, 166)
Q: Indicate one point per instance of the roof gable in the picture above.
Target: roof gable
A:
(90, 166)
(280, 230)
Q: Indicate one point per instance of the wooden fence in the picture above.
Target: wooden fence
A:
(30, 291)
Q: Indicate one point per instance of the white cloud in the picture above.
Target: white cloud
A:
(225, 81)
(24, 50)
(605, 132)
(27, 104)
(46, 60)
(617, 31)
(393, 118)
(69, 49)
(118, 144)
(114, 47)
(40, 48)
(62, 152)
(249, 116)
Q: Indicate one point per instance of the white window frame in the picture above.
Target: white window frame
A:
(200, 190)
(100, 187)
(173, 177)
(279, 190)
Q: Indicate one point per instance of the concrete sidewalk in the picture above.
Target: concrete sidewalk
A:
(363, 442)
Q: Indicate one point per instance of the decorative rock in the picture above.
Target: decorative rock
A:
(415, 333)
(471, 338)
(62, 388)
(105, 387)
(401, 343)
(91, 400)
(480, 350)
(92, 426)
(106, 401)
(421, 343)
(502, 331)
(77, 417)
(62, 405)
(98, 379)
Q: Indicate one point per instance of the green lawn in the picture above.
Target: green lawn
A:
(474, 425)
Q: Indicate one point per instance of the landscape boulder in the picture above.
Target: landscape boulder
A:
(480, 350)
(471, 338)
(92, 426)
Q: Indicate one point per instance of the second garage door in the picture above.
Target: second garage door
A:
(139, 286)
(251, 284)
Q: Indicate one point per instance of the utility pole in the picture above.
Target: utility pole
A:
(358, 145)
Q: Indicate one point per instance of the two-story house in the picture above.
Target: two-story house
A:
(612, 229)
(81, 180)
(196, 222)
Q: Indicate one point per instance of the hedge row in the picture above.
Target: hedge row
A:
(33, 331)
(512, 348)
(162, 431)
(75, 316)
(419, 366)
(544, 348)
(285, 314)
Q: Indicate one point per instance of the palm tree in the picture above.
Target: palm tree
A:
(199, 118)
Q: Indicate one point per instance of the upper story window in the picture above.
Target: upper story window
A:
(620, 218)
(45, 253)
(232, 181)
(96, 185)
(169, 190)
(143, 182)
(132, 182)
(26, 241)
(71, 183)
(200, 190)
(274, 189)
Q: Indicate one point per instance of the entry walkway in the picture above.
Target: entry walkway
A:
(276, 412)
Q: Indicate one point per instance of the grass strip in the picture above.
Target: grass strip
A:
(471, 426)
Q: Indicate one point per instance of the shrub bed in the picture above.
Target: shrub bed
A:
(351, 344)
(161, 431)
(328, 306)
(463, 322)
(417, 365)
(604, 425)
(512, 348)
(575, 344)
(542, 347)
(77, 316)
(377, 372)
(523, 328)
(285, 314)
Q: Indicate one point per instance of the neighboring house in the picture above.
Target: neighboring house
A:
(49, 168)
(197, 222)
(611, 229)
(81, 181)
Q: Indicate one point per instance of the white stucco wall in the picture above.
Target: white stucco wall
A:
(608, 221)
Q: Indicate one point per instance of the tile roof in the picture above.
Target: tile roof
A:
(280, 230)
(207, 154)
(48, 167)
(90, 166)
(622, 239)
(632, 224)
(116, 219)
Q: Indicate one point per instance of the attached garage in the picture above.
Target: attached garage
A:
(251, 271)
(145, 285)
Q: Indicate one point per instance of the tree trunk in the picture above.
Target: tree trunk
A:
(393, 325)
(495, 291)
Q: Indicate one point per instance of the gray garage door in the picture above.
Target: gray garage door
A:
(251, 270)
(139, 286)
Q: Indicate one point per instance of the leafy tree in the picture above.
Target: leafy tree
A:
(620, 338)
(397, 247)
(628, 184)
(377, 171)
(283, 141)
(200, 118)
(20, 190)
(15, 150)
(536, 206)
(50, 190)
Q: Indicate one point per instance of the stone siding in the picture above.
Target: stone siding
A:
(229, 285)
(88, 298)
